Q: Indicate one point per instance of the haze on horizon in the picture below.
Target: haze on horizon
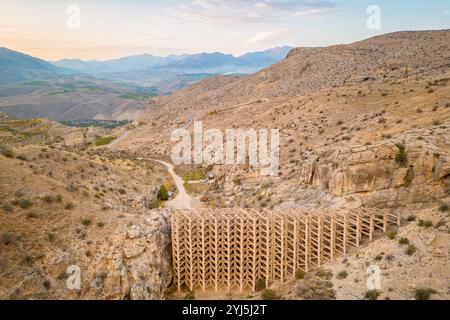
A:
(117, 28)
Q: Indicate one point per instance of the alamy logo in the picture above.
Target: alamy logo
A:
(74, 280)
(374, 20)
(73, 17)
(374, 278)
(235, 147)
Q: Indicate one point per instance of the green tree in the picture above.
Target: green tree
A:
(163, 194)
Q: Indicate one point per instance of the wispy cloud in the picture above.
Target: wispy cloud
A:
(267, 37)
(251, 11)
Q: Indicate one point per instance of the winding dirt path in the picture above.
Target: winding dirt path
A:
(183, 200)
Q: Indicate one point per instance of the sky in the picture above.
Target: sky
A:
(108, 29)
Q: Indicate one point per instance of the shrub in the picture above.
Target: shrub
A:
(441, 223)
(269, 294)
(324, 274)
(444, 207)
(425, 223)
(69, 206)
(51, 198)
(7, 239)
(342, 275)
(22, 157)
(46, 284)
(390, 257)
(122, 191)
(424, 293)
(32, 215)
(260, 285)
(86, 222)
(403, 241)
(6, 150)
(411, 218)
(19, 194)
(163, 195)
(411, 250)
(190, 296)
(391, 235)
(104, 141)
(23, 203)
(300, 274)
(314, 288)
(372, 295)
(401, 157)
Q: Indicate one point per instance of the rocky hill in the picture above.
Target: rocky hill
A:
(64, 201)
(365, 124)
(383, 59)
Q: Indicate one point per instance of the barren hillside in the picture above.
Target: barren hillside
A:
(365, 124)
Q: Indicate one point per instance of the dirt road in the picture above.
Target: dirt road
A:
(183, 200)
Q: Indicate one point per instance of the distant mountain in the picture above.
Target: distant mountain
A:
(127, 64)
(153, 67)
(17, 67)
(117, 89)
(264, 58)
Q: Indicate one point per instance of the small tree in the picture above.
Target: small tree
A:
(163, 195)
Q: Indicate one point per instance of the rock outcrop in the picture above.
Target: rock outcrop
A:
(404, 170)
(133, 263)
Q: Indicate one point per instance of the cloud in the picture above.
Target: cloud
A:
(268, 36)
(251, 11)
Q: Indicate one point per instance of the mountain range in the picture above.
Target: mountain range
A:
(117, 89)
(196, 63)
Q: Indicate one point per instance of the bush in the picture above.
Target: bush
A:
(260, 285)
(403, 240)
(314, 288)
(300, 274)
(342, 275)
(22, 157)
(23, 203)
(411, 218)
(104, 141)
(69, 206)
(51, 198)
(424, 293)
(269, 295)
(324, 274)
(32, 215)
(391, 235)
(86, 222)
(444, 207)
(163, 195)
(190, 296)
(441, 223)
(372, 295)
(401, 157)
(425, 223)
(7, 239)
(411, 250)
(7, 151)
